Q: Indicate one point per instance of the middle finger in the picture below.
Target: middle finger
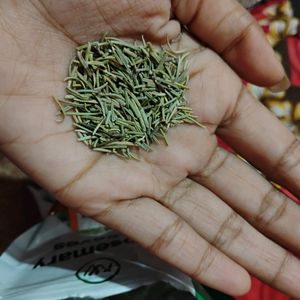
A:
(254, 197)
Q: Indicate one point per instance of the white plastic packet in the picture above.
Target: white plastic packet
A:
(51, 262)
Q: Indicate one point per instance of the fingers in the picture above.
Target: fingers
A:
(260, 137)
(232, 32)
(253, 197)
(227, 231)
(170, 238)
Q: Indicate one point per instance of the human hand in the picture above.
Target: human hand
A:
(191, 203)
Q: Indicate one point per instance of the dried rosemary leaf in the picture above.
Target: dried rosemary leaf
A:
(124, 95)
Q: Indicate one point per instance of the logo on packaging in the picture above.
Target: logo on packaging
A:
(98, 270)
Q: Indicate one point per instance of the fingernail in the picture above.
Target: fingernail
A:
(281, 86)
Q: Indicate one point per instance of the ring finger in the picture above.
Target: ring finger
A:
(226, 230)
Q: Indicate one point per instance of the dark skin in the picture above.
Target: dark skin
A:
(192, 204)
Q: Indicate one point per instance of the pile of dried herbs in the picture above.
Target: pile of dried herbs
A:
(124, 96)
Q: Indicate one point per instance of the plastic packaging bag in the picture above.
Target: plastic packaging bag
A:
(51, 262)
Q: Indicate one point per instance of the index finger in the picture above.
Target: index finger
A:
(256, 134)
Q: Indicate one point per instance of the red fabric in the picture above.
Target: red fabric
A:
(294, 58)
(259, 12)
(261, 291)
(290, 195)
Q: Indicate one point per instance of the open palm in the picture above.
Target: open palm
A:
(191, 203)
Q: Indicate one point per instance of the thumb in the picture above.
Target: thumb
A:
(232, 32)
